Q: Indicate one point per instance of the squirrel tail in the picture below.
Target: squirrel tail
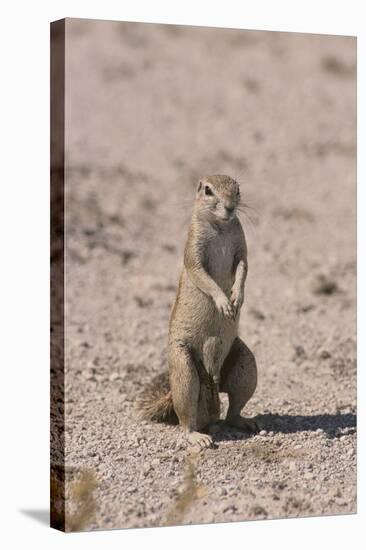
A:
(155, 402)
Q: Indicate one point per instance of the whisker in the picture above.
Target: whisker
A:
(248, 206)
(246, 218)
(244, 211)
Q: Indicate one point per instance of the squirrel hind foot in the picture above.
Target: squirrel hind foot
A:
(199, 440)
(243, 424)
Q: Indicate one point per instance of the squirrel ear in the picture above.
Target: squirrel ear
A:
(199, 186)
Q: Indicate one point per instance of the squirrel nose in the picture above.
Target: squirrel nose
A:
(229, 209)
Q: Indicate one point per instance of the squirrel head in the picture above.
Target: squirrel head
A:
(218, 196)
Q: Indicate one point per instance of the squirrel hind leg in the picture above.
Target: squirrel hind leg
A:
(239, 381)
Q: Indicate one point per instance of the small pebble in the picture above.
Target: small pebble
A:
(324, 354)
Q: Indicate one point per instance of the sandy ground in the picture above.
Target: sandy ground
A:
(149, 109)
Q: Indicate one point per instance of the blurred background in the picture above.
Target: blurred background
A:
(150, 109)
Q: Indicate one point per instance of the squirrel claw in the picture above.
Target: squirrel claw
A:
(203, 441)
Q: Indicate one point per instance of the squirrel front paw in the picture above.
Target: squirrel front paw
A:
(224, 306)
(237, 298)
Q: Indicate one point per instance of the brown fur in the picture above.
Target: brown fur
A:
(205, 354)
(155, 402)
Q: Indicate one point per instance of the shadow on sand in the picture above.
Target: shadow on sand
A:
(331, 424)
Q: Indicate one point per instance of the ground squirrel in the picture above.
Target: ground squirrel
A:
(205, 354)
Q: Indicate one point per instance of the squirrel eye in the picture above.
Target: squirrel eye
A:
(208, 191)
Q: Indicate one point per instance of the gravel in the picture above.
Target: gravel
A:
(149, 110)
